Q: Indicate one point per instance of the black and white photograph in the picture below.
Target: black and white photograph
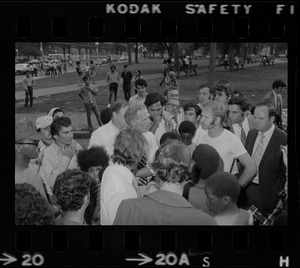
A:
(167, 133)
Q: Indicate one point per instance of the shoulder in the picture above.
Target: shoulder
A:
(280, 134)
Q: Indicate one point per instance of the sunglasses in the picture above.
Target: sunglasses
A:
(36, 143)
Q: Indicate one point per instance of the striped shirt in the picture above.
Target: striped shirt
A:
(112, 78)
(137, 99)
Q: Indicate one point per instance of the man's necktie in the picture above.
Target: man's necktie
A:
(243, 134)
(136, 186)
(279, 108)
(257, 154)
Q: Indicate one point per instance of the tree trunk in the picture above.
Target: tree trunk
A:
(212, 64)
(176, 57)
(137, 53)
(129, 53)
(231, 59)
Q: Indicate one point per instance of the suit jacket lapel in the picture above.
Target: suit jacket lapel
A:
(272, 143)
(251, 141)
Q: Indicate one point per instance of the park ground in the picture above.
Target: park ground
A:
(253, 81)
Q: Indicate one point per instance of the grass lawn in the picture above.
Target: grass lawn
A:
(253, 82)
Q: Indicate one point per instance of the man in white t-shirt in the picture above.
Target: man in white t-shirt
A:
(228, 145)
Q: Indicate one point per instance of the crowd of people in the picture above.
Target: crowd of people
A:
(153, 161)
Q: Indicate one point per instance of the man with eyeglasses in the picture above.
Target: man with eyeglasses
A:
(172, 104)
(141, 86)
(26, 148)
(222, 95)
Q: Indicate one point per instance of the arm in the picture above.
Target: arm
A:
(49, 171)
(80, 94)
(24, 84)
(249, 169)
(107, 78)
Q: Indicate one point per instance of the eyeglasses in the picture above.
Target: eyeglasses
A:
(219, 94)
(32, 143)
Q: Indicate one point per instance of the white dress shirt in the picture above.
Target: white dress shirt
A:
(116, 186)
(54, 163)
(267, 136)
(105, 136)
(237, 129)
(152, 146)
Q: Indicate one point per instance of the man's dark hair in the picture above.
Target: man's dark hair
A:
(77, 62)
(170, 136)
(207, 162)
(70, 189)
(105, 115)
(223, 184)
(91, 62)
(92, 157)
(58, 124)
(141, 82)
(222, 88)
(278, 83)
(239, 102)
(190, 105)
(206, 85)
(31, 208)
(126, 65)
(153, 98)
(187, 127)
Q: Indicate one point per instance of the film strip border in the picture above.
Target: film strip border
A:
(193, 246)
(150, 21)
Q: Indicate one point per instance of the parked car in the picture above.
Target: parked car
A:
(123, 58)
(98, 62)
(22, 68)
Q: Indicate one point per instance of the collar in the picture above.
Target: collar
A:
(268, 133)
(169, 198)
(125, 171)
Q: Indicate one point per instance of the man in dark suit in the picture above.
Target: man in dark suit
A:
(263, 144)
(274, 97)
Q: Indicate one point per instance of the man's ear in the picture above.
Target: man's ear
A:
(55, 136)
(18, 147)
(226, 200)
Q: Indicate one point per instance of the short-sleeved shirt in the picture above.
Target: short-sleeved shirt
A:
(30, 176)
(229, 147)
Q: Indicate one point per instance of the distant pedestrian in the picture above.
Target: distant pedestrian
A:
(165, 71)
(127, 76)
(28, 84)
(70, 63)
(113, 80)
(138, 75)
(87, 94)
(79, 72)
(92, 71)
(87, 69)
(59, 68)
(64, 67)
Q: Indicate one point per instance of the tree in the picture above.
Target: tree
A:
(29, 49)
(212, 63)
(137, 53)
(129, 46)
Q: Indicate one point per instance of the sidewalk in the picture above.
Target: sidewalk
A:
(38, 92)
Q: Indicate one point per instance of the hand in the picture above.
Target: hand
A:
(156, 119)
(70, 150)
(168, 126)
